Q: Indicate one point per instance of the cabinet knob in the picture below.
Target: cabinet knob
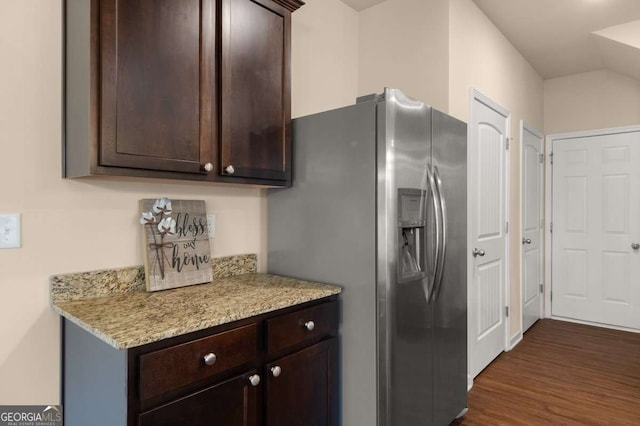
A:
(526, 241)
(229, 169)
(309, 325)
(635, 246)
(276, 371)
(254, 380)
(208, 167)
(210, 358)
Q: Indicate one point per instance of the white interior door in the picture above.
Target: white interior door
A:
(488, 144)
(532, 202)
(596, 226)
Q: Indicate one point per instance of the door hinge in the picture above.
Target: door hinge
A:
(551, 158)
(506, 311)
(551, 295)
(541, 158)
(551, 227)
(506, 144)
(506, 227)
(541, 288)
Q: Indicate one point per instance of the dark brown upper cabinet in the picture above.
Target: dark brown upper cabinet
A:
(255, 78)
(182, 89)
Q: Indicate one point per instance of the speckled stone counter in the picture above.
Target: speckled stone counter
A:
(115, 282)
(134, 317)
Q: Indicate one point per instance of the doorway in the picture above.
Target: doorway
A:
(532, 198)
(594, 231)
(488, 230)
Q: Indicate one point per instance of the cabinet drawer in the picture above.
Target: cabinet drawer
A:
(299, 326)
(180, 365)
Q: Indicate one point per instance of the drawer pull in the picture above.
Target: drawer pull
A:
(254, 380)
(276, 371)
(309, 325)
(210, 358)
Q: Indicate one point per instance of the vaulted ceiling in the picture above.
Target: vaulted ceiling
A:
(564, 37)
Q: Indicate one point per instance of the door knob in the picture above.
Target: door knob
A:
(276, 371)
(477, 252)
(526, 241)
(208, 167)
(635, 246)
(229, 169)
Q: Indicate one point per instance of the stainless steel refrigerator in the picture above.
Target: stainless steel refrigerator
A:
(378, 205)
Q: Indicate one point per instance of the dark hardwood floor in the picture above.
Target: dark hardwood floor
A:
(561, 374)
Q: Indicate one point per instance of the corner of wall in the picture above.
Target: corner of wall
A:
(405, 44)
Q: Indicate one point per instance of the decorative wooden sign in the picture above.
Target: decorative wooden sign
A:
(175, 243)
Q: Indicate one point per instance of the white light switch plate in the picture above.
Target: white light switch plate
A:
(211, 224)
(9, 230)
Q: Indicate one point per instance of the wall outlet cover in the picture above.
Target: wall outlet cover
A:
(211, 225)
(10, 231)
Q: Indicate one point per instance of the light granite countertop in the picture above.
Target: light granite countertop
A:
(135, 318)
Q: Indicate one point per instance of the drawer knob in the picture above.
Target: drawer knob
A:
(309, 325)
(210, 358)
(276, 371)
(208, 167)
(229, 169)
(254, 380)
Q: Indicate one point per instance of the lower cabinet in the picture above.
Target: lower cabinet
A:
(301, 387)
(233, 402)
(276, 369)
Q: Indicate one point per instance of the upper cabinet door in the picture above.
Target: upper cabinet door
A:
(255, 139)
(157, 84)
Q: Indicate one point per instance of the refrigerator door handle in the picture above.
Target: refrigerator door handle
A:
(443, 239)
(436, 252)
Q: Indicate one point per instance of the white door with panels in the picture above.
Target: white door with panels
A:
(488, 148)
(532, 227)
(596, 228)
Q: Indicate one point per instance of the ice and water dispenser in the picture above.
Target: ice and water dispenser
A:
(411, 234)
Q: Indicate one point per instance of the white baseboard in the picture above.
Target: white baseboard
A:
(469, 382)
(514, 341)
(596, 324)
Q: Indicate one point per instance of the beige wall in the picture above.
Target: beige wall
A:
(404, 44)
(88, 224)
(324, 58)
(481, 57)
(592, 100)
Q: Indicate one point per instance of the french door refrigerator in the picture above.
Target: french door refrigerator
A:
(378, 205)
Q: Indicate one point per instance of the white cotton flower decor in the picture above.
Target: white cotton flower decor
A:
(162, 205)
(161, 214)
(147, 218)
(175, 242)
(167, 226)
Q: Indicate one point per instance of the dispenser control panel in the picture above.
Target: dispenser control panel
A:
(411, 207)
(411, 234)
